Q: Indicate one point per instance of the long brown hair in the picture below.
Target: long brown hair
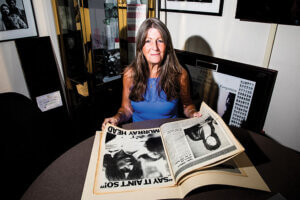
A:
(169, 70)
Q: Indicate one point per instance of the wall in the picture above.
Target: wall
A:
(283, 117)
(248, 42)
(227, 37)
(11, 76)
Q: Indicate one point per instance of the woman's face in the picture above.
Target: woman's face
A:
(154, 48)
(5, 10)
(11, 3)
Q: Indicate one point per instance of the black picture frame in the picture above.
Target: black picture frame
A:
(264, 83)
(204, 7)
(276, 11)
(25, 15)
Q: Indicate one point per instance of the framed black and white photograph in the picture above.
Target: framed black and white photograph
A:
(238, 92)
(17, 19)
(205, 7)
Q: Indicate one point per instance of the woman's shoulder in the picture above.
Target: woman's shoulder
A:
(128, 75)
(128, 72)
(184, 72)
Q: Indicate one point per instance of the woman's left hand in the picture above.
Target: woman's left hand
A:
(197, 114)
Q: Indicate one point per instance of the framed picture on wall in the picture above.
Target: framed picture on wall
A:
(205, 7)
(240, 93)
(17, 19)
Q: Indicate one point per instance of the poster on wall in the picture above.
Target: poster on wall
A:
(233, 95)
(16, 19)
(206, 7)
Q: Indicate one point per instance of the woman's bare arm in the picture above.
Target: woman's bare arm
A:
(125, 111)
(189, 108)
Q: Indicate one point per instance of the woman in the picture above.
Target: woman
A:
(154, 81)
(11, 21)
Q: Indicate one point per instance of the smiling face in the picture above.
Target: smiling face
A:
(154, 48)
(4, 10)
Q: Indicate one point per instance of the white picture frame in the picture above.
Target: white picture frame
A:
(30, 30)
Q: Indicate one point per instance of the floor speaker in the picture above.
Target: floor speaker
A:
(42, 76)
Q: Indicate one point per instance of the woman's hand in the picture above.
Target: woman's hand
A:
(197, 114)
(192, 112)
(112, 120)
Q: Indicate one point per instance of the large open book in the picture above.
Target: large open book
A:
(168, 161)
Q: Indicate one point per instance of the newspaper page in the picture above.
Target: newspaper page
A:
(196, 143)
(131, 159)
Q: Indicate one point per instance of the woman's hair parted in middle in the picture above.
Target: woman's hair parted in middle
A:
(169, 70)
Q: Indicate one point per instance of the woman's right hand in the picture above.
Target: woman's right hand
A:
(112, 120)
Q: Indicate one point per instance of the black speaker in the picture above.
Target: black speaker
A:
(42, 76)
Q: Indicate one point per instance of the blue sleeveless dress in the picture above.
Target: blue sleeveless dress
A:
(154, 106)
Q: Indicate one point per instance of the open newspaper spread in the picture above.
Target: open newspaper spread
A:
(168, 161)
